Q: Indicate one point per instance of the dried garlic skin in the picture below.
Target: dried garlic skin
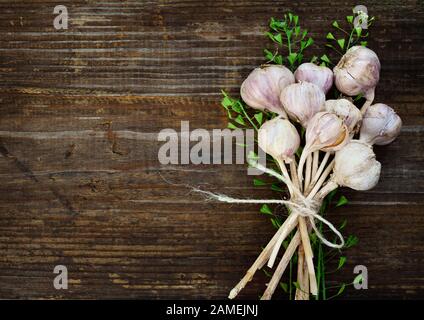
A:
(262, 88)
(356, 166)
(318, 75)
(357, 72)
(302, 101)
(279, 138)
(326, 132)
(380, 125)
(347, 111)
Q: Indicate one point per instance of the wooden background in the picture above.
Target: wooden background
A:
(80, 180)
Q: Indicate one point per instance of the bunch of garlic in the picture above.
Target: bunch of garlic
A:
(330, 129)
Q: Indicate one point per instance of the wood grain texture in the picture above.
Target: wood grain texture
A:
(80, 181)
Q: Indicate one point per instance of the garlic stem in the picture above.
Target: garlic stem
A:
(302, 160)
(293, 173)
(286, 176)
(321, 180)
(300, 275)
(370, 98)
(329, 186)
(288, 254)
(305, 283)
(285, 229)
(319, 171)
(315, 163)
(308, 171)
(287, 226)
(308, 256)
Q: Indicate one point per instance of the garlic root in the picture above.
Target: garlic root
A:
(284, 230)
(288, 254)
(308, 256)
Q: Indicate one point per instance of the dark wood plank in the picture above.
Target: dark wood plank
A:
(81, 184)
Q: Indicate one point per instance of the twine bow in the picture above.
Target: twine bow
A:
(303, 206)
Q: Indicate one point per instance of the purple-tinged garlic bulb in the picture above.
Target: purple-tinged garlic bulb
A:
(302, 101)
(318, 75)
(356, 166)
(358, 72)
(380, 125)
(326, 132)
(262, 88)
(347, 111)
(279, 138)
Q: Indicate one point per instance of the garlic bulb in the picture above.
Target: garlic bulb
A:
(318, 75)
(279, 138)
(356, 167)
(302, 101)
(262, 88)
(326, 132)
(347, 111)
(358, 72)
(380, 125)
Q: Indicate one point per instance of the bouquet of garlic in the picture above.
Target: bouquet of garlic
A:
(338, 150)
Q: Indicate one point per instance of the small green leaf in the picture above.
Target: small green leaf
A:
(231, 126)
(258, 183)
(226, 102)
(296, 31)
(274, 187)
(267, 273)
(296, 19)
(275, 223)
(284, 286)
(299, 58)
(266, 210)
(278, 59)
(358, 279)
(290, 16)
(358, 31)
(270, 35)
(268, 55)
(341, 290)
(309, 42)
(330, 36)
(342, 262)
(237, 107)
(292, 58)
(314, 59)
(364, 43)
(350, 241)
(278, 38)
(296, 284)
(344, 223)
(259, 117)
(342, 201)
(349, 19)
(331, 195)
(325, 58)
(341, 43)
(335, 24)
(240, 120)
(302, 45)
(299, 151)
